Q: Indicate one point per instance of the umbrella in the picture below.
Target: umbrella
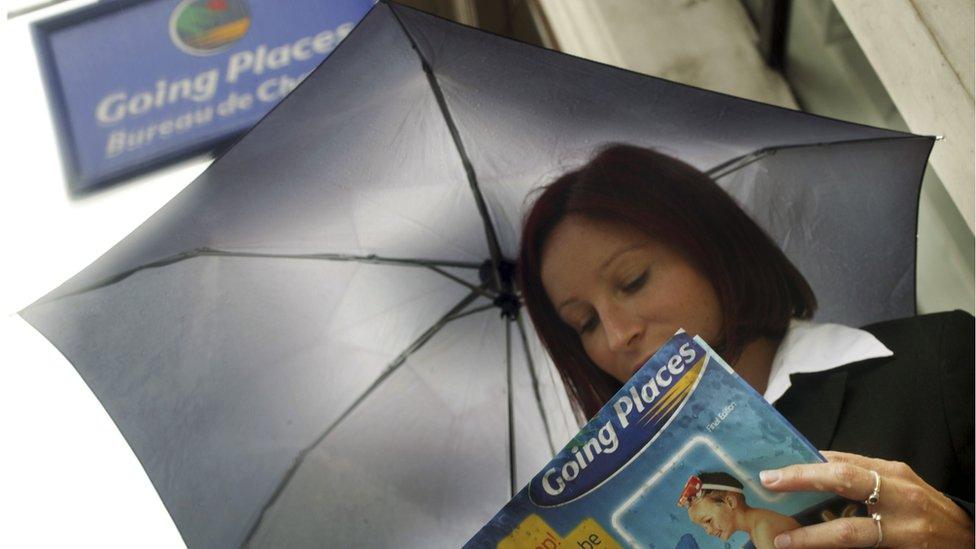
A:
(318, 342)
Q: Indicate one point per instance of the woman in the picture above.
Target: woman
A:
(621, 252)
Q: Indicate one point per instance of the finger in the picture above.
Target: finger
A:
(854, 459)
(886, 468)
(850, 532)
(844, 479)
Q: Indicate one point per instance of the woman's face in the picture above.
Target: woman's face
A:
(624, 293)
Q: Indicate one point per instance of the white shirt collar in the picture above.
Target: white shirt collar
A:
(811, 347)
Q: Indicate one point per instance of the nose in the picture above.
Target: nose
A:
(623, 329)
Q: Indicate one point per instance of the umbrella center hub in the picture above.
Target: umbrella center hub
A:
(501, 282)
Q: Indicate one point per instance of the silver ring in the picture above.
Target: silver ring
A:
(877, 520)
(876, 493)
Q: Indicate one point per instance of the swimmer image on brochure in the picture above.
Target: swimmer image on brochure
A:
(671, 461)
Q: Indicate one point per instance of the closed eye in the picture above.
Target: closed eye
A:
(589, 325)
(636, 284)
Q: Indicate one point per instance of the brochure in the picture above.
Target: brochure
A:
(671, 461)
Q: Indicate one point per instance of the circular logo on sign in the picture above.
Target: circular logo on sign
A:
(206, 27)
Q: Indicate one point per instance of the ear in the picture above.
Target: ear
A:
(730, 501)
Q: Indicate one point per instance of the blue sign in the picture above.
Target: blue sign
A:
(136, 84)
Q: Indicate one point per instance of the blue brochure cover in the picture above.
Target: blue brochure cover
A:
(671, 461)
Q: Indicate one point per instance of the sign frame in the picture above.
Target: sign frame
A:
(70, 69)
(78, 184)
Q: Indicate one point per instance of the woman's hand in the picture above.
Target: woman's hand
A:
(913, 514)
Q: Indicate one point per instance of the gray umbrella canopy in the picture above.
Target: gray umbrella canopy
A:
(304, 348)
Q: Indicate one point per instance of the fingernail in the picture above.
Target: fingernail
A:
(769, 477)
(782, 540)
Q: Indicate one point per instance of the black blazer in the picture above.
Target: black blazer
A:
(915, 406)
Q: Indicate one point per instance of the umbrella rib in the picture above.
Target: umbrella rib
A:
(511, 413)
(493, 248)
(369, 258)
(434, 265)
(739, 162)
(390, 368)
(480, 289)
(535, 384)
(472, 311)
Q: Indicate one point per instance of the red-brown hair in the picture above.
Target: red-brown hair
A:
(758, 289)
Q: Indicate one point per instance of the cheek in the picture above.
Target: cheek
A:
(711, 317)
(596, 348)
(700, 306)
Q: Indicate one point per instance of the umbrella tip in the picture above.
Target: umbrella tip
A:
(501, 282)
(509, 305)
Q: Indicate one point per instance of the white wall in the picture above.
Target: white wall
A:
(69, 478)
(922, 50)
(708, 44)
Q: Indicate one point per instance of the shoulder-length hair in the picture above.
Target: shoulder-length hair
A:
(758, 289)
